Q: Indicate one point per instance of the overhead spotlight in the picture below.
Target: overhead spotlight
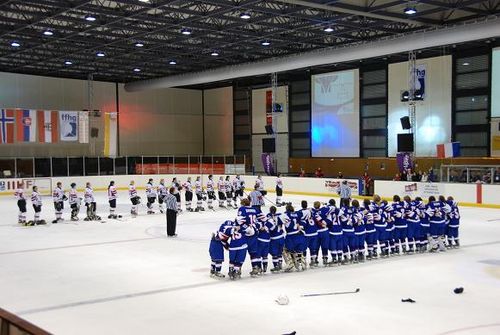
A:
(265, 43)
(100, 54)
(328, 29)
(245, 16)
(410, 10)
(185, 31)
(172, 62)
(465, 63)
(139, 44)
(68, 62)
(48, 33)
(137, 69)
(90, 18)
(15, 44)
(145, 1)
(214, 53)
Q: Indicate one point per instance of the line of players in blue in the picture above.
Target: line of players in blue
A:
(350, 233)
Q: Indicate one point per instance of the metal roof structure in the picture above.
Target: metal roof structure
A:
(129, 40)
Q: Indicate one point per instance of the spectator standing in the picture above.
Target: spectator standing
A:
(367, 180)
(302, 172)
(319, 173)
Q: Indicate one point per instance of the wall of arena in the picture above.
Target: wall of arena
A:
(466, 194)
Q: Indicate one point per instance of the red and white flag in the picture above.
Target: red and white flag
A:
(48, 126)
(26, 125)
(7, 120)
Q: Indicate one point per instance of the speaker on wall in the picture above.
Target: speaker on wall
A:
(269, 129)
(268, 145)
(405, 143)
(405, 122)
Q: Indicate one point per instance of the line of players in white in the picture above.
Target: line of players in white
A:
(346, 234)
(229, 192)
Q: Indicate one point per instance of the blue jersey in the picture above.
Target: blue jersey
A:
(397, 214)
(412, 212)
(357, 221)
(321, 218)
(291, 223)
(379, 217)
(345, 216)
(307, 222)
(265, 230)
(276, 232)
(424, 218)
(248, 217)
(224, 232)
(437, 212)
(368, 220)
(454, 214)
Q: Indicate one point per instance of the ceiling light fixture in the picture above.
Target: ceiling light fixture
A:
(265, 43)
(328, 29)
(137, 69)
(185, 31)
(172, 62)
(90, 18)
(100, 54)
(68, 62)
(48, 33)
(245, 16)
(139, 44)
(466, 64)
(15, 44)
(410, 10)
(214, 53)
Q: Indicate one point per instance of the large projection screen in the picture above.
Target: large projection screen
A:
(335, 114)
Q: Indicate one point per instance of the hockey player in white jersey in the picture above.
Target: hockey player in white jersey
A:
(90, 203)
(188, 194)
(162, 192)
(58, 197)
(210, 192)
(260, 185)
(221, 188)
(177, 193)
(199, 195)
(279, 190)
(134, 198)
(21, 204)
(229, 193)
(74, 202)
(36, 201)
(239, 188)
(112, 195)
(150, 195)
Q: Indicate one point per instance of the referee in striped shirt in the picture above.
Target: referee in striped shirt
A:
(171, 204)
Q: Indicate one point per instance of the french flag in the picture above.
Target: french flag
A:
(446, 150)
(26, 125)
(48, 126)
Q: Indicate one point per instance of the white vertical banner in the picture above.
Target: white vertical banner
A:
(68, 125)
(83, 126)
(110, 134)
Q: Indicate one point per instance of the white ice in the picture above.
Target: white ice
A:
(128, 278)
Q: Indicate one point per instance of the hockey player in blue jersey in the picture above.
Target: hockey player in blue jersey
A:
(310, 231)
(345, 219)
(277, 235)
(453, 224)
(358, 223)
(218, 243)
(412, 218)
(389, 228)
(423, 232)
(437, 211)
(295, 242)
(264, 239)
(336, 243)
(322, 220)
(370, 232)
(248, 217)
(380, 225)
(400, 225)
(238, 247)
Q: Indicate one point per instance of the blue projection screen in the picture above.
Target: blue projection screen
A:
(335, 114)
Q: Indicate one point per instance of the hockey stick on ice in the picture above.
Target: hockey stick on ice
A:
(329, 293)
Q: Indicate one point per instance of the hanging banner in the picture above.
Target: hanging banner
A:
(404, 161)
(267, 162)
(47, 126)
(269, 108)
(83, 126)
(110, 134)
(68, 124)
(26, 125)
(7, 120)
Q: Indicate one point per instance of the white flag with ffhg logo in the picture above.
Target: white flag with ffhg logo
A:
(68, 123)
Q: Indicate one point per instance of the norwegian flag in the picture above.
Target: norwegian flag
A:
(26, 125)
(7, 121)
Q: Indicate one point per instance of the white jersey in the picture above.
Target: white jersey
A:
(58, 195)
(73, 196)
(229, 186)
(176, 187)
(240, 184)
(197, 186)
(132, 192)
(150, 190)
(279, 183)
(112, 194)
(256, 198)
(19, 194)
(89, 195)
(188, 187)
(221, 186)
(210, 185)
(162, 190)
(36, 199)
(260, 184)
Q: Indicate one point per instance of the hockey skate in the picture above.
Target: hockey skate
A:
(325, 262)
(55, 221)
(39, 222)
(276, 269)
(256, 271)
(230, 274)
(218, 275)
(300, 262)
(457, 244)
(74, 218)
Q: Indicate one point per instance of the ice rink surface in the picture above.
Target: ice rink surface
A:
(126, 277)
